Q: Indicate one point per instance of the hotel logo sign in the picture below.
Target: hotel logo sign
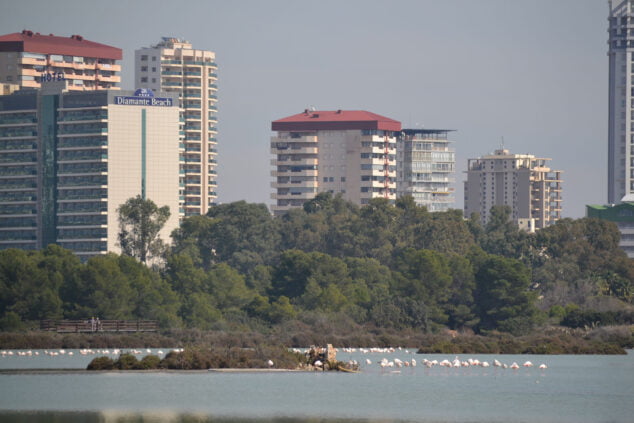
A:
(143, 97)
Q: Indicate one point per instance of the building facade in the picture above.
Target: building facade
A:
(425, 168)
(621, 214)
(28, 58)
(348, 152)
(69, 159)
(621, 98)
(174, 66)
(521, 181)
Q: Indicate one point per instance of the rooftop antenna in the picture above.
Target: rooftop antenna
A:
(313, 108)
(502, 143)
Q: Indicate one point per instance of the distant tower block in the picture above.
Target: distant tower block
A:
(620, 97)
(521, 181)
(352, 153)
(174, 66)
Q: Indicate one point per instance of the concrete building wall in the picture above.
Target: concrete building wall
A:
(522, 182)
(174, 66)
(125, 162)
(620, 119)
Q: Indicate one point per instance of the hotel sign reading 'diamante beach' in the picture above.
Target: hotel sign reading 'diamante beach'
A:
(143, 97)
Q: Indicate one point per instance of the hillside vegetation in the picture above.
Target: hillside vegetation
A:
(379, 267)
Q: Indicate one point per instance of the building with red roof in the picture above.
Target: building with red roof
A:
(28, 59)
(347, 152)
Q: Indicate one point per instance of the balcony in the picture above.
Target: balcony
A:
(104, 78)
(294, 150)
(296, 138)
(31, 61)
(32, 84)
(295, 161)
(62, 64)
(109, 67)
(295, 184)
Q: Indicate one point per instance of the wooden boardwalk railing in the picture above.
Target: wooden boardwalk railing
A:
(90, 325)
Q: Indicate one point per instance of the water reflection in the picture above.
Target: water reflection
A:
(154, 417)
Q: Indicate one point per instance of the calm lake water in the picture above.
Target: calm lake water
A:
(572, 389)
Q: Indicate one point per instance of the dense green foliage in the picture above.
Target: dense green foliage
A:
(381, 266)
(200, 358)
(140, 222)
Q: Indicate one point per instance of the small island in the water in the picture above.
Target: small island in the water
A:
(262, 357)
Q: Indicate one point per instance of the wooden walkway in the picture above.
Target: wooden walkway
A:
(90, 326)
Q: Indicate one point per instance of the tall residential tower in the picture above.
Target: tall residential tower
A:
(69, 159)
(426, 165)
(521, 181)
(348, 152)
(174, 66)
(621, 98)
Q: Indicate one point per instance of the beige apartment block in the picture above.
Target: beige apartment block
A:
(174, 66)
(352, 153)
(521, 181)
(30, 59)
(69, 159)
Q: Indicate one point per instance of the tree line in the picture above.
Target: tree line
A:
(382, 265)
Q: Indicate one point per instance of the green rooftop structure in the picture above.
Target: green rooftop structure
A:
(621, 214)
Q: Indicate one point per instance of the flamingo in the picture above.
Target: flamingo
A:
(528, 364)
(270, 363)
(543, 366)
(515, 366)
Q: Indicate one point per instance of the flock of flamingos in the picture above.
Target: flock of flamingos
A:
(384, 363)
(396, 363)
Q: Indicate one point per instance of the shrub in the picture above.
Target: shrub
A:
(127, 362)
(149, 362)
(101, 363)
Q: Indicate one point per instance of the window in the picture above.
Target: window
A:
(144, 79)
(9, 78)
(343, 179)
(325, 179)
(144, 57)
(143, 68)
(154, 80)
(153, 69)
(154, 58)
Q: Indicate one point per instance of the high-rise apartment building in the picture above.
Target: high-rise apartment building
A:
(69, 159)
(28, 58)
(174, 66)
(347, 152)
(425, 168)
(621, 100)
(521, 181)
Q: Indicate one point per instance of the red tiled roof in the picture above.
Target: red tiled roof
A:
(75, 45)
(335, 120)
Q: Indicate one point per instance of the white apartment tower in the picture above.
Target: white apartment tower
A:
(348, 152)
(173, 66)
(621, 98)
(521, 181)
(426, 164)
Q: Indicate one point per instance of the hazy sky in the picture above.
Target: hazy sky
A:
(534, 72)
